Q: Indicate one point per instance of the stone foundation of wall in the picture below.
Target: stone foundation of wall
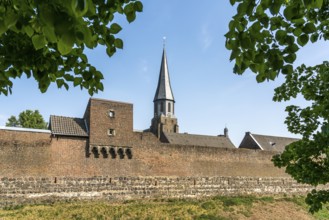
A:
(31, 190)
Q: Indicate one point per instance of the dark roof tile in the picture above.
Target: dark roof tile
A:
(273, 143)
(199, 140)
(68, 126)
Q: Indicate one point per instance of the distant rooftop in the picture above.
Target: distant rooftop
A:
(24, 129)
(68, 126)
(199, 140)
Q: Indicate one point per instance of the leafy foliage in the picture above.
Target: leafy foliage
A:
(47, 39)
(28, 119)
(264, 36)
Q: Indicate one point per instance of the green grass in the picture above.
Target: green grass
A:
(209, 208)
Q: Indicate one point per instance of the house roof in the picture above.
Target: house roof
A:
(272, 143)
(199, 140)
(68, 126)
(164, 90)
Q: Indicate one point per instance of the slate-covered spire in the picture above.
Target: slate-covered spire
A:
(164, 91)
(164, 119)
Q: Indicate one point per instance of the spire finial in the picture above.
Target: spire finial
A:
(164, 42)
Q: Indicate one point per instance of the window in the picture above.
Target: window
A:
(156, 108)
(169, 107)
(111, 113)
(111, 132)
(161, 106)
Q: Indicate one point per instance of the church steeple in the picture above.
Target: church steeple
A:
(164, 119)
(164, 98)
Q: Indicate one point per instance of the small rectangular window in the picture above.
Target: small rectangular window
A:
(111, 132)
(111, 114)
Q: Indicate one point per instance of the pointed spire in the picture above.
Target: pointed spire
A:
(164, 91)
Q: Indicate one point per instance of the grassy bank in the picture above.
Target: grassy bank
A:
(248, 207)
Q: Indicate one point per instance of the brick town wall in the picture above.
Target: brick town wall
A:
(35, 167)
(24, 154)
(14, 191)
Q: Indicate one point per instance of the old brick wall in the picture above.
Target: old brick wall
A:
(36, 167)
(24, 153)
(34, 154)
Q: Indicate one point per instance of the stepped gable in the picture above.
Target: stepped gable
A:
(266, 142)
(68, 126)
(198, 140)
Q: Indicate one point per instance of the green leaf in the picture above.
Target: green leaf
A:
(297, 32)
(138, 6)
(3, 28)
(131, 16)
(280, 35)
(309, 28)
(60, 83)
(293, 48)
(77, 81)
(290, 58)
(29, 30)
(290, 12)
(115, 28)
(63, 47)
(10, 18)
(275, 7)
(318, 3)
(260, 77)
(118, 43)
(314, 37)
(232, 2)
(110, 51)
(302, 39)
(38, 41)
(287, 69)
(79, 7)
(49, 33)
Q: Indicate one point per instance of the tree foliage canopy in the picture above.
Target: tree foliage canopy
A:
(28, 119)
(265, 36)
(47, 40)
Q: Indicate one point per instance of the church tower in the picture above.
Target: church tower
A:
(164, 119)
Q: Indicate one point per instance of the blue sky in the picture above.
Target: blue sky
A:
(208, 95)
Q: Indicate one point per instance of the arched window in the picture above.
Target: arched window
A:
(161, 107)
(169, 107)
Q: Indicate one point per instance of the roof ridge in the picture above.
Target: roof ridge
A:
(274, 136)
(203, 135)
(65, 116)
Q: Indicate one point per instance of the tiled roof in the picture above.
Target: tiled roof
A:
(199, 140)
(68, 126)
(271, 143)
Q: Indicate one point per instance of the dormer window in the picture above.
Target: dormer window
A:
(111, 113)
(111, 132)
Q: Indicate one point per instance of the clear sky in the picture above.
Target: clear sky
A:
(208, 95)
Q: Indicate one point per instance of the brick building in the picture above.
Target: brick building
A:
(107, 126)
